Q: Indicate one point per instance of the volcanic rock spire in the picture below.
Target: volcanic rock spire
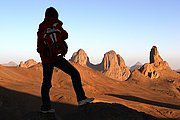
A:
(114, 66)
(80, 57)
(156, 65)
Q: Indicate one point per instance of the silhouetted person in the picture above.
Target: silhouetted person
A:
(50, 24)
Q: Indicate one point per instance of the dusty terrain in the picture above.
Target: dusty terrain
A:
(138, 98)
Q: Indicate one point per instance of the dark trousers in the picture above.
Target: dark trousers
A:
(65, 66)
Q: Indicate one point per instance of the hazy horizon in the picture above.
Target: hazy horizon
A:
(128, 27)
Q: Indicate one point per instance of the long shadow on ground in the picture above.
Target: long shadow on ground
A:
(141, 100)
(16, 105)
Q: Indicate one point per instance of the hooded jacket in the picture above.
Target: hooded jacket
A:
(48, 22)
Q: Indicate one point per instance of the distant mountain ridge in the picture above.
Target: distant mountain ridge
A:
(136, 66)
(10, 64)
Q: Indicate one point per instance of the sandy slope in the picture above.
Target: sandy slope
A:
(139, 98)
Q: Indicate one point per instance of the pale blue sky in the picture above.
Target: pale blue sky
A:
(130, 27)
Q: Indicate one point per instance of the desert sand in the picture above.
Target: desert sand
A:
(138, 98)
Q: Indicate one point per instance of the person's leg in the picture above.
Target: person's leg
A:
(46, 85)
(65, 66)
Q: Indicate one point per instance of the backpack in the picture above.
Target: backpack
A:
(54, 43)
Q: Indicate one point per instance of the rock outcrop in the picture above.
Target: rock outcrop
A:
(80, 57)
(114, 66)
(156, 65)
(28, 63)
(149, 70)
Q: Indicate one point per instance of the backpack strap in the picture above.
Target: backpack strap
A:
(51, 31)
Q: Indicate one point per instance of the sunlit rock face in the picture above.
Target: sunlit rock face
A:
(114, 66)
(153, 69)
